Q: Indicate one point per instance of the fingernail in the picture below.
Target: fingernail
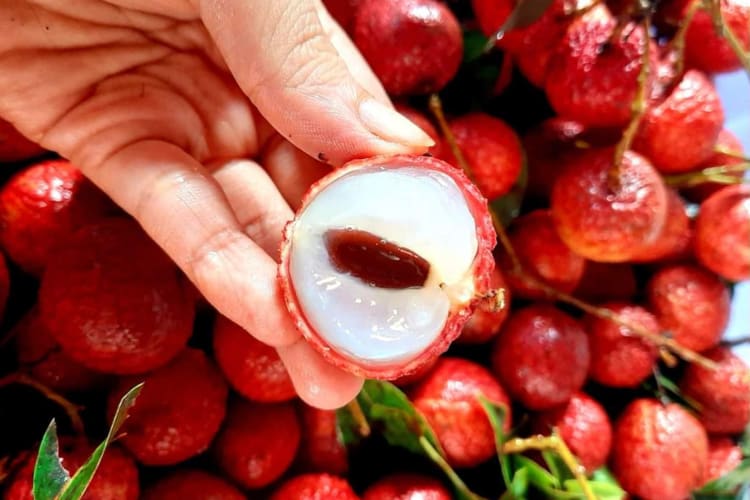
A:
(390, 125)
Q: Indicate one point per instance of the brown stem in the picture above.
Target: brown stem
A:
(723, 30)
(731, 153)
(677, 44)
(436, 107)
(71, 410)
(363, 427)
(719, 174)
(556, 444)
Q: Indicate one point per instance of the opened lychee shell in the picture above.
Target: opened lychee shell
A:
(385, 261)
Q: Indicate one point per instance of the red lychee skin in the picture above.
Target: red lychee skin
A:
(602, 282)
(680, 132)
(722, 232)
(675, 240)
(414, 377)
(691, 303)
(709, 51)
(583, 425)
(491, 148)
(618, 357)
(14, 146)
(723, 394)
(257, 443)
(551, 144)
(193, 483)
(658, 451)
(41, 206)
(723, 457)
(484, 324)
(491, 14)
(541, 356)
(421, 121)
(343, 12)
(178, 412)
(413, 46)
(320, 449)
(543, 255)
(407, 487)
(448, 398)
(42, 356)
(114, 301)
(593, 81)
(481, 269)
(728, 141)
(605, 223)
(315, 487)
(115, 479)
(253, 368)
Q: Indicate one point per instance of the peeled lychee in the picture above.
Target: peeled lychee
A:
(321, 449)
(413, 46)
(114, 301)
(193, 483)
(178, 412)
(14, 146)
(385, 261)
(315, 487)
(406, 486)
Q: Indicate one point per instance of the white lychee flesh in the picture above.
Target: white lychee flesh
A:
(419, 209)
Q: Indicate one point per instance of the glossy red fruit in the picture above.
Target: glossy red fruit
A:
(114, 301)
(606, 222)
(723, 457)
(592, 76)
(343, 11)
(315, 487)
(433, 277)
(619, 358)
(45, 361)
(253, 368)
(492, 150)
(722, 232)
(178, 412)
(115, 479)
(583, 425)
(257, 443)
(729, 142)
(675, 240)
(679, 133)
(407, 487)
(602, 282)
(321, 450)
(448, 398)
(541, 356)
(723, 394)
(413, 46)
(659, 451)
(14, 146)
(491, 15)
(43, 205)
(691, 303)
(485, 322)
(421, 121)
(543, 255)
(710, 51)
(192, 483)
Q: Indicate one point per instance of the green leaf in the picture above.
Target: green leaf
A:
(76, 487)
(49, 474)
(519, 485)
(347, 429)
(474, 43)
(556, 466)
(729, 483)
(462, 491)
(497, 415)
(744, 442)
(539, 477)
(508, 206)
(604, 490)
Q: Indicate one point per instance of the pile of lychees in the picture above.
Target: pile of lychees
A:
(546, 289)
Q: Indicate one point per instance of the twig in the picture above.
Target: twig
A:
(677, 44)
(363, 427)
(71, 410)
(718, 174)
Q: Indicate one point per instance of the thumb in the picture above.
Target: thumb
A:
(285, 62)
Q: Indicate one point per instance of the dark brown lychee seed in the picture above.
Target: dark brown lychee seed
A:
(375, 260)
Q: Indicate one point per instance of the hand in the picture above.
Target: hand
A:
(159, 102)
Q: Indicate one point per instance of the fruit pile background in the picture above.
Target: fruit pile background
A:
(92, 307)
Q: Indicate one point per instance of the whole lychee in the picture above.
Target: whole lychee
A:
(485, 322)
(43, 205)
(385, 261)
(710, 51)
(321, 449)
(583, 425)
(192, 483)
(114, 301)
(257, 443)
(449, 399)
(723, 457)
(253, 368)
(674, 241)
(723, 394)
(413, 46)
(659, 451)
(315, 487)
(722, 232)
(115, 479)
(407, 487)
(606, 219)
(691, 303)
(178, 412)
(14, 146)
